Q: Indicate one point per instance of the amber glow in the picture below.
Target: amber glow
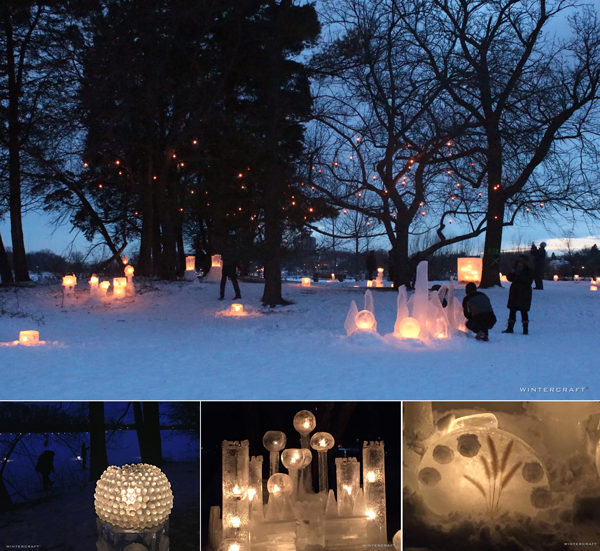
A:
(306, 282)
(237, 309)
(594, 288)
(129, 270)
(216, 261)
(365, 320)
(555, 278)
(69, 281)
(29, 337)
(94, 281)
(410, 328)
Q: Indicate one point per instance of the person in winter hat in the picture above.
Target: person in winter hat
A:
(478, 311)
(519, 296)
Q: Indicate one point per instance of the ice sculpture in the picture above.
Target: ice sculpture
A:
(315, 521)
(94, 294)
(563, 430)
(236, 503)
(119, 285)
(274, 441)
(103, 289)
(477, 467)
(321, 442)
(216, 268)
(134, 497)
(305, 423)
(29, 337)
(469, 269)
(409, 328)
(379, 280)
(374, 490)
(190, 269)
(363, 320)
(294, 460)
(69, 283)
(129, 287)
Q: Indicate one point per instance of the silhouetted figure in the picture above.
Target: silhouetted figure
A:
(45, 466)
(539, 266)
(390, 263)
(371, 265)
(84, 450)
(519, 296)
(229, 270)
(478, 311)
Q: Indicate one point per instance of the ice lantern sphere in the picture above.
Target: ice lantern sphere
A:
(274, 441)
(555, 278)
(134, 497)
(469, 269)
(321, 442)
(29, 337)
(280, 482)
(482, 469)
(365, 320)
(410, 328)
(304, 422)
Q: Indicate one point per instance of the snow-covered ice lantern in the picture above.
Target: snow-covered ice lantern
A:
(237, 309)
(478, 468)
(133, 497)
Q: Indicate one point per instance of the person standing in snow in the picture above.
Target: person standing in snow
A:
(371, 265)
(519, 296)
(478, 311)
(45, 466)
(539, 265)
(229, 270)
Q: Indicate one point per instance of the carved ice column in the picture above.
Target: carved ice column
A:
(374, 490)
(348, 483)
(236, 508)
(255, 487)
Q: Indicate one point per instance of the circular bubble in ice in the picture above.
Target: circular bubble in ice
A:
(468, 445)
(307, 456)
(443, 454)
(280, 482)
(364, 320)
(274, 440)
(397, 541)
(304, 422)
(482, 470)
(410, 328)
(293, 458)
(322, 441)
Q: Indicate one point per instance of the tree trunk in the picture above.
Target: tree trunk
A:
(145, 261)
(490, 276)
(98, 457)
(403, 267)
(5, 269)
(147, 426)
(14, 158)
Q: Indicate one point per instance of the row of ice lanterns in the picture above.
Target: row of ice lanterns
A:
(121, 285)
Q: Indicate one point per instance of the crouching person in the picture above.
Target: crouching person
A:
(478, 311)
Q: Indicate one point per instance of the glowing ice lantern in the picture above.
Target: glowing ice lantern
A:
(480, 468)
(576, 278)
(119, 285)
(555, 278)
(236, 505)
(129, 288)
(103, 288)
(274, 441)
(321, 442)
(469, 269)
(369, 283)
(294, 459)
(279, 506)
(237, 309)
(347, 474)
(593, 287)
(365, 320)
(134, 497)
(305, 423)
(374, 490)
(190, 263)
(230, 544)
(410, 328)
(29, 337)
(216, 261)
(306, 282)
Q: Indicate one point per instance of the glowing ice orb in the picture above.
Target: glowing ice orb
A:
(410, 328)
(364, 320)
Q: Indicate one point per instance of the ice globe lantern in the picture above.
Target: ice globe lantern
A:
(304, 422)
(274, 441)
(321, 442)
(133, 497)
(365, 320)
(280, 482)
(410, 328)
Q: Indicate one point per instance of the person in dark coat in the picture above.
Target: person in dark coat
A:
(538, 256)
(229, 270)
(371, 265)
(478, 311)
(519, 296)
(45, 466)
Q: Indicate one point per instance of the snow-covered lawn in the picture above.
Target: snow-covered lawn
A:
(171, 341)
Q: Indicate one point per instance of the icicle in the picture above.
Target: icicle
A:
(331, 507)
(402, 309)
(345, 507)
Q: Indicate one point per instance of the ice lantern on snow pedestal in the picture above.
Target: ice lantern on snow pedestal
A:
(409, 328)
(119, 285)
(374, 490)
(306, 282)
(135, 497)
(365, 320)
(469, 269)
(274, 441)
(321, 442)
(236, 504)
(190, 263)
(29, 337)
(478, 468)
(237, 309)
(216, 261)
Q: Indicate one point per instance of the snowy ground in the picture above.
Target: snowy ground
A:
(68, 522)
(171, 341)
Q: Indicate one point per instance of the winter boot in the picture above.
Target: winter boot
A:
(525, 328)
(482, 335)
(236, 297)
(510, 327)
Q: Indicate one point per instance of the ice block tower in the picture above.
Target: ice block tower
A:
(374, 490)
(236, 506)
(347, 471)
